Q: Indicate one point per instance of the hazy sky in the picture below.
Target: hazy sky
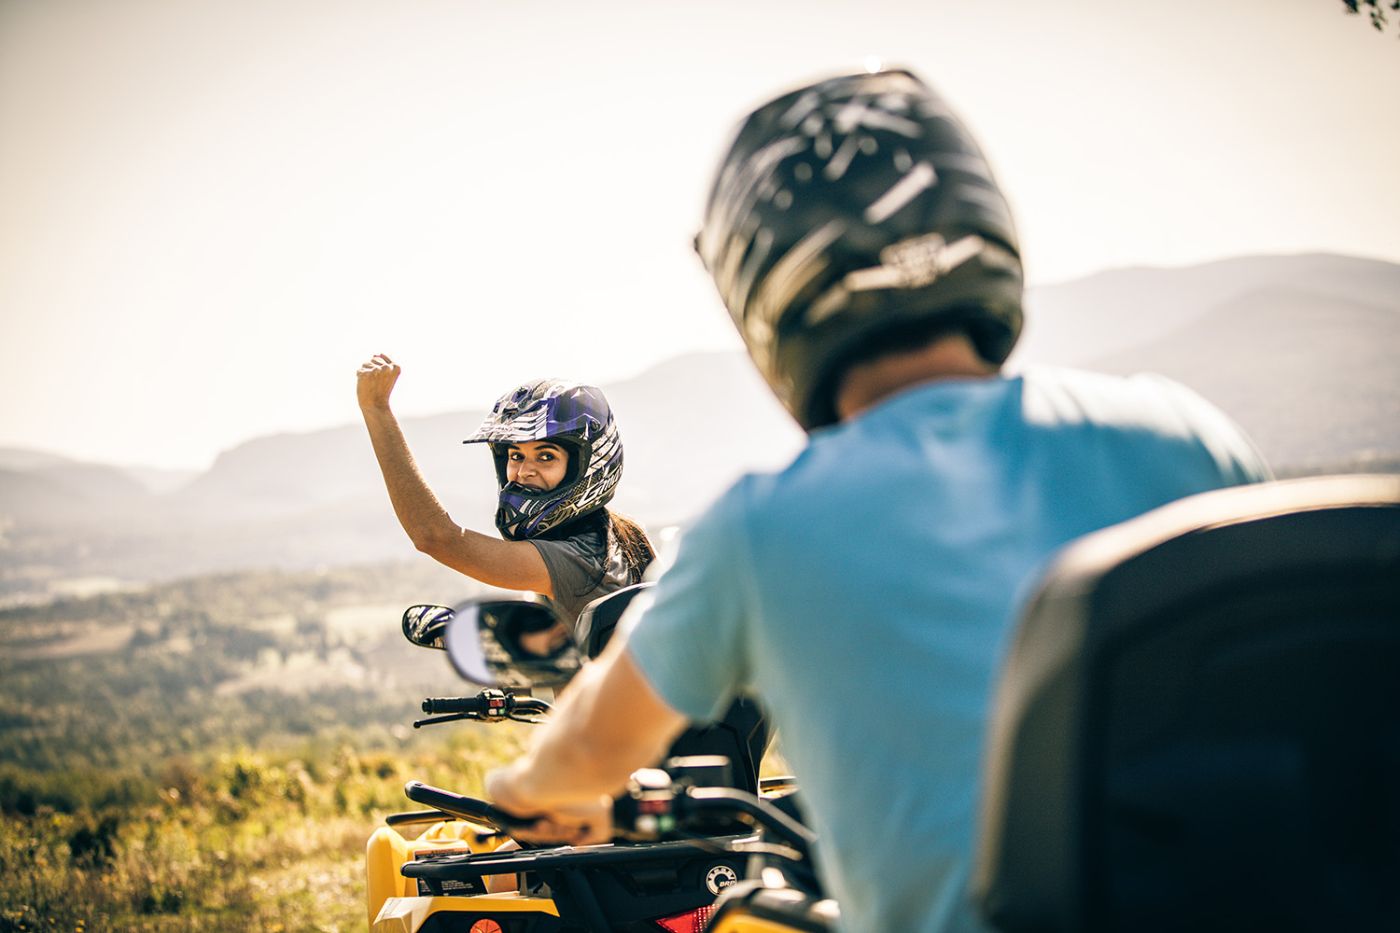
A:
(211, 212)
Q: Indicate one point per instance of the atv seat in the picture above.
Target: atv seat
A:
(1198, 726)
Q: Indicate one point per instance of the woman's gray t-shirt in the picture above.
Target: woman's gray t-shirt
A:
(581, 568)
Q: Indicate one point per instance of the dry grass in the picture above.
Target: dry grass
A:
(245, 842)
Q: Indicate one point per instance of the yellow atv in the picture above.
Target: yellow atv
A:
(426, 870)
(658, 886)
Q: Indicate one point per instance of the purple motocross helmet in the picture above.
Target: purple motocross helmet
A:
(574, 416)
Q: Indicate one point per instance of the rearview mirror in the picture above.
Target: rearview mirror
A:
(511, 643)
(424, 625)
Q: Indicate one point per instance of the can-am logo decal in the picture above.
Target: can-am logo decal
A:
(720, 877)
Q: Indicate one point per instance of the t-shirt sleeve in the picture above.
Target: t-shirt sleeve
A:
(1235, 455)
(575, 570)
(689, 639)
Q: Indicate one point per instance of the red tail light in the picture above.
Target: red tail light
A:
(692, 921)
(485, 925)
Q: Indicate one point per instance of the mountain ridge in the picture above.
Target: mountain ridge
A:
(1299, 350)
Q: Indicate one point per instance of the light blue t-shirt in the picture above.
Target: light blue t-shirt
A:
(866, 594)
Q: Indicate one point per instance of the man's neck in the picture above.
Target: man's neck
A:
(866, 384)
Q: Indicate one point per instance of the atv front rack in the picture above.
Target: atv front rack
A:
(627, 884)
(459, 867)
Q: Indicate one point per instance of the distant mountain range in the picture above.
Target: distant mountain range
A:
(1301, 350)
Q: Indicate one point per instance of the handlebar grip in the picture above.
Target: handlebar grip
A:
(437, 705)
(468, 808)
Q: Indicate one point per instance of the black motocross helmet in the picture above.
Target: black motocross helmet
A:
(849, 210)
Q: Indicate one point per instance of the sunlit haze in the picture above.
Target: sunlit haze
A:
(210, 213)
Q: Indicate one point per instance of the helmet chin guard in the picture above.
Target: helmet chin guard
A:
(576, 417)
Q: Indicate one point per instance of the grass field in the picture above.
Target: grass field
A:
(213, 754)
(242, 841)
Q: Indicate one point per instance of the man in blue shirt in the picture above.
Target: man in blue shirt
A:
(865, 594)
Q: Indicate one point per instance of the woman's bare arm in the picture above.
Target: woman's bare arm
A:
(515, 565)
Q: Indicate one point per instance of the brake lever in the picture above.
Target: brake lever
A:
(450, 717)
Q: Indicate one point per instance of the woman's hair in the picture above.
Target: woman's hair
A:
(632, 543)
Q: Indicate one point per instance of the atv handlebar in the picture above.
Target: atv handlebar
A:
(488, 705)
(659, 804)
(725, 801)
(466, 808)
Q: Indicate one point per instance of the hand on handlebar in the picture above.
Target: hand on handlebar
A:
(573, 824)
